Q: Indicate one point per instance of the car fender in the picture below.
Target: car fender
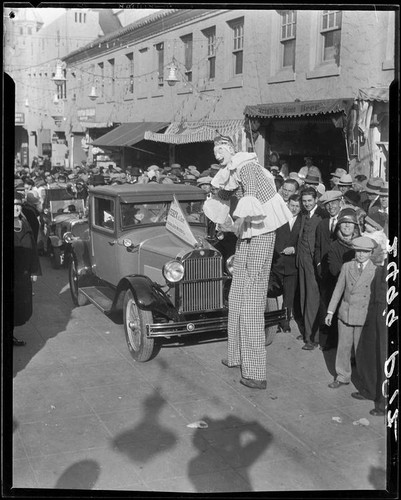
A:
(148, 296)
(55, 241)
(79, 251)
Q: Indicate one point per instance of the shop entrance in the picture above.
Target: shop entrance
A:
(318, 137)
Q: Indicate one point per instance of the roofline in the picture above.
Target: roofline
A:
(134, 32)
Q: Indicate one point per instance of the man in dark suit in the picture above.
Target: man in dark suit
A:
(308, 287)
(284, 257)
(325, 235)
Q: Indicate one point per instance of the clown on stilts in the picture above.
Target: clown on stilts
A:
(259, 212)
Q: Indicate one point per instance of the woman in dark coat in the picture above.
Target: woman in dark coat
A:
(372, 348)
(26, 267)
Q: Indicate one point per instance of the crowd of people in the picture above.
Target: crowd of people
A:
(326, 246)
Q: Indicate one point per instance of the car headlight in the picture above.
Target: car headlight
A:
(68, 237)
(173, 271)
(230, 264)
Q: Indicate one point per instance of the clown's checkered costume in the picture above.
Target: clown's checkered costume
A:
(262, 211)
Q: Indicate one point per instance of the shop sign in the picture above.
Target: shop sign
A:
(299, 108)
(19, 118)
(84, 114)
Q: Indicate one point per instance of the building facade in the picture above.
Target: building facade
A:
(299, 82)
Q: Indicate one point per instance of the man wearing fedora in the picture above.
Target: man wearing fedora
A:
(308, 287)
(372, 190)
(336, 176)
(325, 235)
(345, 183)
(353, 290)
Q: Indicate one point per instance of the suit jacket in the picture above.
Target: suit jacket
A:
(286, 237)
(323, 241)
(320, 214)
(355, 292)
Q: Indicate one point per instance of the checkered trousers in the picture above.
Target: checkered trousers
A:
(247, 302)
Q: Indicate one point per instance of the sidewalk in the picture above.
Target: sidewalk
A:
(87, 416)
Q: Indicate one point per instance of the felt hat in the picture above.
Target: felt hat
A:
(303, 172)
(312, 179)
(363, 243)
(352, 197)
(373, 185)
(204, 180)
(347, 215)
(384, 189)
(345, 180)
(330, 196)
(377, 220)
(339, 172)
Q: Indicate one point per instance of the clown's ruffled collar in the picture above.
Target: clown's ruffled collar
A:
(228, 177)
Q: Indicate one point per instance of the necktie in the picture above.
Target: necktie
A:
(332, 224)
(360, 269)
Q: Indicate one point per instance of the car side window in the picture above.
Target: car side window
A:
(104, 213)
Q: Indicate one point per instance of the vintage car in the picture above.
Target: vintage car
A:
(148, 260)
(61, 214)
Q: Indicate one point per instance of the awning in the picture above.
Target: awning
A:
(299, 108)
(128, 134)
(97, 124)
(374, 94)
(197, 131)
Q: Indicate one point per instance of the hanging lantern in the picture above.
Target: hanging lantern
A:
(55, 99)
(93, 96)
(172, 77)
(59, 78)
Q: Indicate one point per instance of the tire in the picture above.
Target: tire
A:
(77, 297)
(57, 257)
(140, 347)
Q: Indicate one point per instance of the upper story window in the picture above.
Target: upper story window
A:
(76, 17)
(210, 35)
(237, 27)
(160, 63)
(21, 31)
(80, 17)
(29, 30)
(130, 58)
(61, 89)
(101, 68)
(287, 38)
(84, 18)
(188, 54)
(331, 36)
(112, 68)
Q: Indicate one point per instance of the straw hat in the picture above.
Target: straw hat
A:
(374, 185)
(345, 180)
(339, 172)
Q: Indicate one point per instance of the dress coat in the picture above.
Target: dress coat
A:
(323, 240)
(372, 349)
(354, 290)
(319, 214)
(26, 264)
(286, 237)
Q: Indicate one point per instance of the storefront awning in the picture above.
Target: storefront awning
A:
(197, 131)
(374, 94)
(97, 124)
(299, 108)
(128, 134)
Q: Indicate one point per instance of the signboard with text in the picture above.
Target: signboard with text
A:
(19, 118)
(177, 224)
(86, 114)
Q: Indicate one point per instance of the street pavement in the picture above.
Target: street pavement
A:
(87, 416)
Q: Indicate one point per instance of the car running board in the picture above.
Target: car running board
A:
(100, 296)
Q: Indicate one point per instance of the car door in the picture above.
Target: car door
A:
(104, 239)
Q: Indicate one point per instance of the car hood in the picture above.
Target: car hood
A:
(159, 241)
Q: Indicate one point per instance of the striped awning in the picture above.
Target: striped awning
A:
(299, 108)
(198, 131)
(380, 94)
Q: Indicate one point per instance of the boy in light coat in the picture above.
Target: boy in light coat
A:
(353, 287)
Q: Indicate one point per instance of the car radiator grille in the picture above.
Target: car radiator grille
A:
(202, 288)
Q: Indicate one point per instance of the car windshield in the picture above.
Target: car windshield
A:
(156, 213)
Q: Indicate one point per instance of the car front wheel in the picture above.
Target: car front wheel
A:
(135, 321)
(77, 297)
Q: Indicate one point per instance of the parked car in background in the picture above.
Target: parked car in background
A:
(135, 263)
(61, 214)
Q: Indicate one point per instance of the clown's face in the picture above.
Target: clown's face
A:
(223, 154)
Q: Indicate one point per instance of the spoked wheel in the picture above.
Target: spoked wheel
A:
(77, 297)
(135, 321)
